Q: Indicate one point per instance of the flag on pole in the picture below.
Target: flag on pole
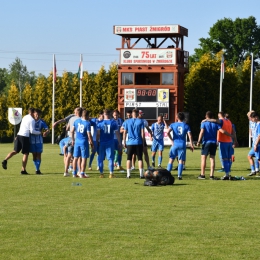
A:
(80, 71)
(222, 68)
(54, 69)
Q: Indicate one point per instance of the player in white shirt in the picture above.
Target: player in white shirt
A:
(22, 141)
(77, 115)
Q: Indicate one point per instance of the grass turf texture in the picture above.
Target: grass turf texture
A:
(45, 217)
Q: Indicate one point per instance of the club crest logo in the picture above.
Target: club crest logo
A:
(127, 54)
(129, 95)
(169, 54)
(163, 95)
(14, 115)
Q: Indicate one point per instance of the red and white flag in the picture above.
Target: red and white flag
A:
(80, 71)
(54, 68)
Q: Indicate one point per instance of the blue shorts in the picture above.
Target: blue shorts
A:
(209, 148)
(36, 148)
(252, 152)
(232, 152)
(106, 150)
(62, 143)
(69, 145)
(257, 153)
(157, 145)
(226, 150)
(178, 150)
(81, 150)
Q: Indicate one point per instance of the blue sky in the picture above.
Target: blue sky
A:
(34, 30)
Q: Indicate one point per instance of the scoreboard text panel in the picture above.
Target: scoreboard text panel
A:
(153, 102)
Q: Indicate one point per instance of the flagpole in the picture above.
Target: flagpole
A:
(251, 81)
(222, 71)
(251, 90)
(220, 93)
(80, 81)
(53, 96)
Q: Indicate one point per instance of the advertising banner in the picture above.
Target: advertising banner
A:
(166, 139)
(148, 56)
(146, 29)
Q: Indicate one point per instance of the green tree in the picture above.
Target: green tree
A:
(3, 79)
(19, 74)
(13, 100)
(42, 96)
(202, 90)
(27, 97)
(96, 102)
(110, 91)
(239, 38)
(88, 85)
(239, 103)
(47, 106)
(202, 93)
(64, 96)
(3, 115)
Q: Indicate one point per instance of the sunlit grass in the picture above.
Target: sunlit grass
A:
(46, 217)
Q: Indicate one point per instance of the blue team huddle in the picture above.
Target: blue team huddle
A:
(108, 135)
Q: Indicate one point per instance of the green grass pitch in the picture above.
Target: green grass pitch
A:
(46, 217)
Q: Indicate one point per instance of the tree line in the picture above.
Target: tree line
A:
(202, 86)
(98, 91)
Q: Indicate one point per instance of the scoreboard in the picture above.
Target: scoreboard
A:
(153, 102)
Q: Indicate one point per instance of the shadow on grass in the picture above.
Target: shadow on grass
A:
(175, 184)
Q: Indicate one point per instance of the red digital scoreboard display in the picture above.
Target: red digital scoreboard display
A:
(146, 95)
(153, 102)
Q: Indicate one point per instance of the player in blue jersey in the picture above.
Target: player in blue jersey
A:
(118, 151)
(252, 129)
(81, 142)
(36, 141)
(257, 138)
(179, 131)
(94, 122)
(128, 116)
(255, 121)
(227, 138)
(251, 125)
(157, 138)
(208, 138)
(134, 128)
(105, 138)
(226, 116)
(234, 142)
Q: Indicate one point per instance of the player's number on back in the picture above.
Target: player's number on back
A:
(107, 129)
(80, 128)
(180, 130)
